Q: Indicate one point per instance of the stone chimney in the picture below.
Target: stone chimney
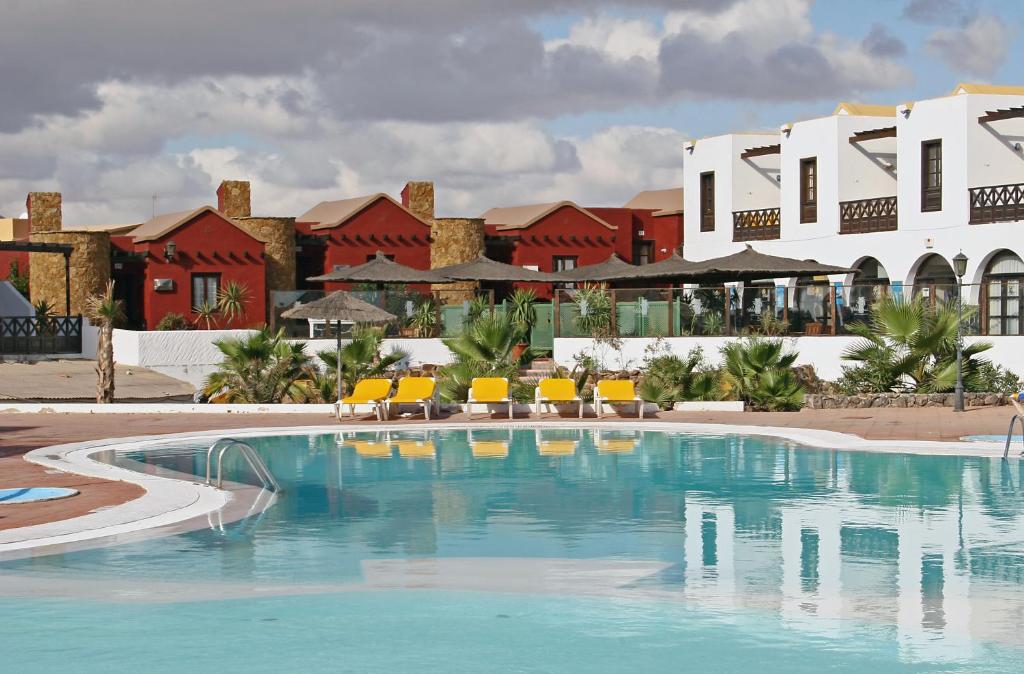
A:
(418, 197)
(44, 212)
(233, 198)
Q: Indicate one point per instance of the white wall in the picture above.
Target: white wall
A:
(824, 353)
(190, 355)
(12, 302)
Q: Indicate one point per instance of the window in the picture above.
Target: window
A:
(931, 175)
(707, 201)
(643, 252)
(563, 262)
(204, 289)
(809, 189)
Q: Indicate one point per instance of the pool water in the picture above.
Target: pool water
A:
(553, 550)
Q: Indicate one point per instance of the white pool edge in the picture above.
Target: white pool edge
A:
(168, 501)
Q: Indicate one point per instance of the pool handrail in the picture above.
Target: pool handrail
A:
(252, 458)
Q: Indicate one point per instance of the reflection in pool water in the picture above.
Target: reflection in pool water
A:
(560, 549)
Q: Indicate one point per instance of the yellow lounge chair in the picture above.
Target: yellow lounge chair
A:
(372, 450)
(553, 390)
(489, 390)
(366, 392)
(489, 449)
(617, 391)
(413, 391)
(614, 445)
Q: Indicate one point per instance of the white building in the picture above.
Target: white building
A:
(895, 192)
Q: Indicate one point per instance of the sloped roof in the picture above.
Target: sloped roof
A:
(329, 214)
(864, 110)
(340, 306)
(663, 202)
(1003, 89)
(521, 217)
(748, 264)
(111, 229)
(161, 225)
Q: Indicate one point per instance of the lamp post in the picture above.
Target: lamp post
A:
(960, 267)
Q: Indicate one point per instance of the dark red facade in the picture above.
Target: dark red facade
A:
(208, 244)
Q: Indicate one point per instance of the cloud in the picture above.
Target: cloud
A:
(977, 48)
(758, 50)
(932, 11)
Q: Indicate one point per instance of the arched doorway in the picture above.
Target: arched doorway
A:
(935, 280)
(1002, 285)
(870, 284)
(812, 306)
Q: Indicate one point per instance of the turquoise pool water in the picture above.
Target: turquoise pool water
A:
(559, 550)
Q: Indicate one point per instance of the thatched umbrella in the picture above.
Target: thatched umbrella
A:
(750, 265)
(339, 307)
(486, 269)
(381, 270)
(612, 269)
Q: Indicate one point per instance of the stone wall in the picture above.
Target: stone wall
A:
(44, 212)
(418, 197)
(90, 269)
(233, 198)
(453, 241)
(870, 400)
(279, 236)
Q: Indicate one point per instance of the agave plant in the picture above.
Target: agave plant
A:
(758, 370)
(361, 358)
(521, 312)
(908, 346)
(105, 312)
(261, 367)
(231, 300)
(595, 311)
(206, 313)
(424, 318)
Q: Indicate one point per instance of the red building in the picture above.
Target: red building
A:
(174, 262)
(557, 236)
(350, 232)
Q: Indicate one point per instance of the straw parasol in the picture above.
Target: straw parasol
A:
(612, 269)
(750, 265)
(486, 269)
(339, 307)
(381, 270)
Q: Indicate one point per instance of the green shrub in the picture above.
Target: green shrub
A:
(173, 321)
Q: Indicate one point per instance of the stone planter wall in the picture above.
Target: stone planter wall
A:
(870, 400)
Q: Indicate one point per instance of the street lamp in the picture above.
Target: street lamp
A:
(960, 268)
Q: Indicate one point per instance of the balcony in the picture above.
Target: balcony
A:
(867, 215)
(757, 225)
(997, 203)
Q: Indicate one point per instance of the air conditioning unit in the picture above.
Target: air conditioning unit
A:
(163, 285)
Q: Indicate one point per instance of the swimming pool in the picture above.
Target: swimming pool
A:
(550, 550)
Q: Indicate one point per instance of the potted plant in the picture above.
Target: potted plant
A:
(522, 316)
(423, 319)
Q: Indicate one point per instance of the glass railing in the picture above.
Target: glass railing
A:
(819, 309)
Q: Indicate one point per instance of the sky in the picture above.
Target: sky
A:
(499, 102)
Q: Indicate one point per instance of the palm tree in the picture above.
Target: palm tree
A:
(105, 312)
(907, 346)
(261, 367)
(758, 370)
(360, 359)
(205, 312)
(484, 349)
(231, 300)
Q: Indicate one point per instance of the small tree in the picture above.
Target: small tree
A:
(231, 300)
(105, 312)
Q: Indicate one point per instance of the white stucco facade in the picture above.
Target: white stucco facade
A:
(974, 155)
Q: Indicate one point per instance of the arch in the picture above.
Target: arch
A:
(865, 287)
(1002, 284)
(934, 279)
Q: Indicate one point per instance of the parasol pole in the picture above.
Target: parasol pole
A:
(337, 335)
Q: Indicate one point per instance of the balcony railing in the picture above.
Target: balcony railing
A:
(40, 334)
(757, 225)
(997, 203)
(867, 215)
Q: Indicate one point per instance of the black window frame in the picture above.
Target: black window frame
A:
(206, 278)
(931, 176)
(707, 201)
(641, 249)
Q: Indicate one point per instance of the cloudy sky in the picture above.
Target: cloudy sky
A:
(498, 101)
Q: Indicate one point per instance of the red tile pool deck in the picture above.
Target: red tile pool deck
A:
(20, 433)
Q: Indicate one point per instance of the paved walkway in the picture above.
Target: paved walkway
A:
(75, 381)
(20, 433)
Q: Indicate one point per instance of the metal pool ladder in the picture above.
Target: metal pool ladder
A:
(1009, 433)
(251, 457)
